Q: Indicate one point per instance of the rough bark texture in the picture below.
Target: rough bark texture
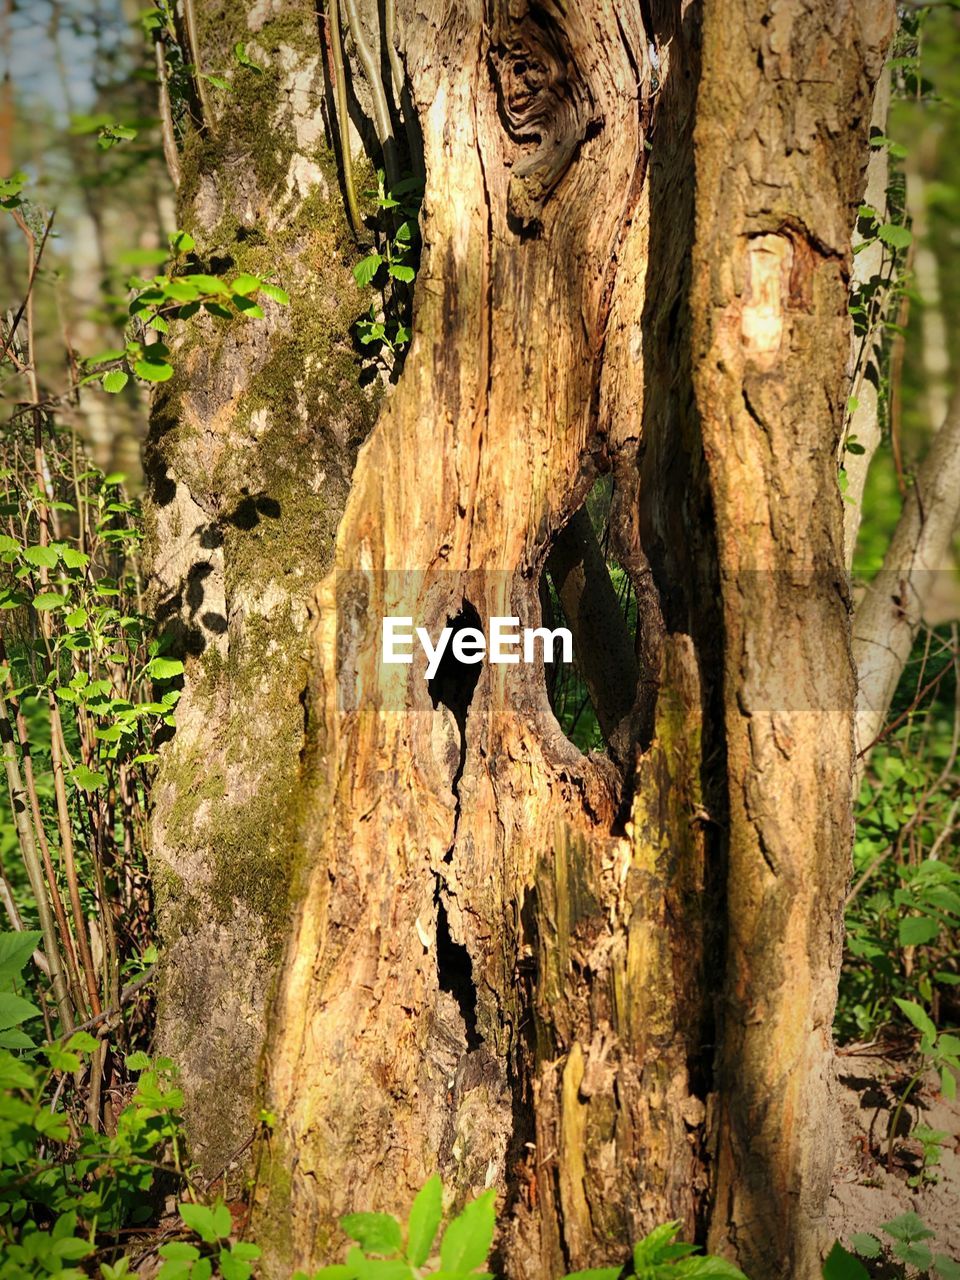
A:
(783, 111)
(506, 957)
(500, 930)
(484, 973)
(249, 460)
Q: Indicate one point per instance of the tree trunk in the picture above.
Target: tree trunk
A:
(780, 146)
(548, 972)
(249, 459)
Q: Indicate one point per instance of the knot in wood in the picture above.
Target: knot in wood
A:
(545, 104)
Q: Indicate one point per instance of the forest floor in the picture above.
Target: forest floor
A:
(867, 1194)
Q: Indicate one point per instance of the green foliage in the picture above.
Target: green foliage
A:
(86, 692)
(939, 1051)
(390, 269)
(385, 1250)
(903, 909)
(159, 301)
(909, 1248)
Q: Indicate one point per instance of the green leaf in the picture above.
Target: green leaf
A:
(375, 1232)
(241, 55)
(115, 380)
(14, 1010)
(151, 371)
(946, 1268)
(138, 1061)
(367, 268)
(232, 1267)
(143, 257)
(87, 779)
(73, 558)
(595, 1273)
(206, 283)
(866, 1245)
(49, 600)
(77, 618)
(364, 1268)
(163, 668)
(222, 1221)
(82, 1042)
(467, 1240)
(179, 1251)
(896, 236)
(245, 284)
(218, 82)
(199, 1219)
(948, 1084)
(917, 1255)
(424, 1219)
(907, 1227)
(41, 557)
(714, 1268)
(252, 310)
(840, 1265)
(275, 292)
(61, 1060)
(920, 1019)
(401, 272)
(914, 931)
(182, 242)
(181, 291)
(16, 948)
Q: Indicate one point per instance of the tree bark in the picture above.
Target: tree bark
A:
(565, 976)
(784, 105)
(248, 462)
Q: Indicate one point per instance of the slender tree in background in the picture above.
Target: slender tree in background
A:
(604, 985)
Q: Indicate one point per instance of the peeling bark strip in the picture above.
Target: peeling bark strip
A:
(783, 110)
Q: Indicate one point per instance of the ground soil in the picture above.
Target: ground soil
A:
(865, 1192)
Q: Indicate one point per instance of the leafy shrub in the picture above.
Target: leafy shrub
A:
(909, 1247)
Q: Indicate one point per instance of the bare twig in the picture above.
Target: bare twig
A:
(381, 110)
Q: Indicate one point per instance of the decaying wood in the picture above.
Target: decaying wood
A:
(590, 986)
(518, 1027)
(488, 967)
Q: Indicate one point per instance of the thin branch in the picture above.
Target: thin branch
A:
(193, 44)
(126, 995)
(170, 153)
(28, 849)
(35, 264)
(889, 614)
(343, 118)
(381, 110)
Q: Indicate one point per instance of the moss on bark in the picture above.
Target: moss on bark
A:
(249, 458)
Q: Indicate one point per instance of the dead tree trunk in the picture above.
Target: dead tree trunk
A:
(521, 965)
